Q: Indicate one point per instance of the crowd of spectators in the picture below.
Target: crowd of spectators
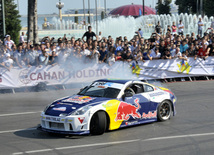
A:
(92, 48)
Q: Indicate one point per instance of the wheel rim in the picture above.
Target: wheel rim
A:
(165, 111)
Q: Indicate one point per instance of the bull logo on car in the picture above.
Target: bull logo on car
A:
(125, 110)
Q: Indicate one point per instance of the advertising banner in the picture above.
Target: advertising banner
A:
(155, 69)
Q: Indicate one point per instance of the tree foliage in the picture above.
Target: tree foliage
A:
(163, 7)
(12, 21)
(190, 6)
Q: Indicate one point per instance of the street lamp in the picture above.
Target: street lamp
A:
(143, 7)
(96, 17)
(60, 5)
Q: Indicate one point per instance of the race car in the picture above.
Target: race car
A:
(108, 104)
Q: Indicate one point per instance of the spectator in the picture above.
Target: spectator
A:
(53, 59)
(176, 53)
(43, 58)
(167, 55)
(7, 62)
(128, 56)
(210, 49)
(31, 57)
(89, 34)
(158, 28)
(202, 53)
(19, 56)
(147, 55)
(200, 27)
(180, 28)
(111, 60)
(21, 38)
(103, 55)
(191, 51)
(156, 54)
(8, 42)
(184, 46)
(174, 28)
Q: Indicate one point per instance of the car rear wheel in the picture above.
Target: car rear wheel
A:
(98, 123)
(164, 111)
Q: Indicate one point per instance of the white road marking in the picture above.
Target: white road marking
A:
(22, 113)
(111, 143)
(78, 146)
(180, 136)
(8, 131)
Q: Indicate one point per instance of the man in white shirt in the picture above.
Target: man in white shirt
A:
(155, 54)
(21, 39)
(9, 43)
(177, 53)
(200, 27)
(7, 62)
(180, 28)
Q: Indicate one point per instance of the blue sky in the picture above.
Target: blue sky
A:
(49, 6)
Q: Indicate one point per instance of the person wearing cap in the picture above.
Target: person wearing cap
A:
(7, 62)
(8, 42)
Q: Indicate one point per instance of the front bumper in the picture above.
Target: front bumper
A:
(77, 125)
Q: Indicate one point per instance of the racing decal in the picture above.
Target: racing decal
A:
(149, 115)
(156, 94)
(125, 110)
(167, 90)
(79, 99)
(131, 123)
(81, 119)
(60, 109)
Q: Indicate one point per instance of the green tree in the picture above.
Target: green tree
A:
(187, 6)
(163, 6)
(190, 6)
(12, 21)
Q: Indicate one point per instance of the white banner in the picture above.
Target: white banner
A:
(155, 69)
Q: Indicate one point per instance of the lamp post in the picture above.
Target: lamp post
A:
(3, 27)
(143, 7)
(105, 8)
(96, 17)
(201, 7)
(89, 17)
(60, 5)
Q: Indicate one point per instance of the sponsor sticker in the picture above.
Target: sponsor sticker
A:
(60, 109)
(79, 99)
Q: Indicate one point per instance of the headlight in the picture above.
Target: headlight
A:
(81, 111)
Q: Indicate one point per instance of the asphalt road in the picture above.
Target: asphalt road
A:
(191, 131)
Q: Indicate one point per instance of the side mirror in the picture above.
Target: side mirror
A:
(126, 94)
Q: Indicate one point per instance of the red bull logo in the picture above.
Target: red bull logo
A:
(149, 115)
(79, 99)
(125, 110)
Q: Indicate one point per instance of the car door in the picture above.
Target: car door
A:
(137, 104)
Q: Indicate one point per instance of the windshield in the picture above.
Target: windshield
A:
(107, 90)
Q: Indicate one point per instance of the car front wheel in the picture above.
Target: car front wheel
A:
(98, 123)
(164, 111)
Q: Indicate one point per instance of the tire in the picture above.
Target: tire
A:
(164, 111)
(98, 123)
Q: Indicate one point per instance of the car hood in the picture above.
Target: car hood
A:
(69, 104)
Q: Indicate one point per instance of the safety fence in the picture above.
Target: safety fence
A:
(62, 76)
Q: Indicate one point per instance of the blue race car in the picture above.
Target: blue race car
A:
(108, 105)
